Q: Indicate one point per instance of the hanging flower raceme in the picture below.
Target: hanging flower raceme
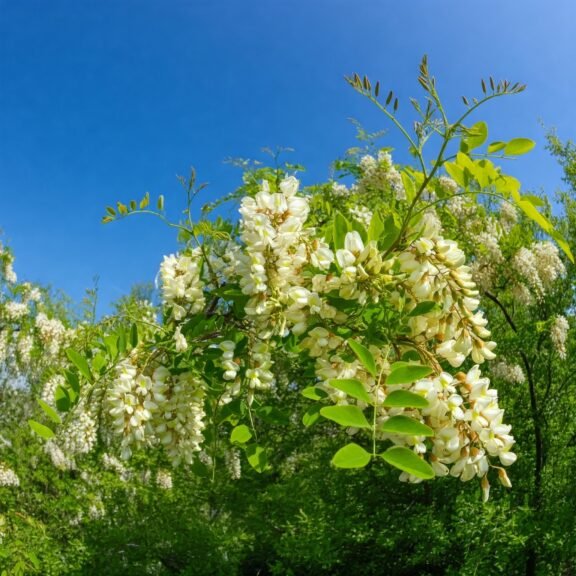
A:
(355, 311)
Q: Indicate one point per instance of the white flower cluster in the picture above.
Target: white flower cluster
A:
(52, 334)
(436, 272)
(110, 462)
(8, 477)
(14, 311)
(512, 373)
(6, 262)
(449, 186)
(156, 409)
(57, 456)
(508, 216)
(24, 347)
(559, 335)
(182, 286)
(539, 266)
(233, 464)
(464, 413)
(299, 285)
(79, 436)
(362, 215)
(164, 480)
(380, 174)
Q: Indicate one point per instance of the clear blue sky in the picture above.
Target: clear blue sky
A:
(102, 100)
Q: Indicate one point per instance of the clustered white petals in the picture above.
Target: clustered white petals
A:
(559, 335)
(470, 436)
(157, 409)
(182, 286)
(8, 477)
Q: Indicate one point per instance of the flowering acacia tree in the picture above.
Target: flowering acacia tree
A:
(354, 296)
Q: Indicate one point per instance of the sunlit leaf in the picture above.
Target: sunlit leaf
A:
(240, 434)
(351, 456)
(353, 388)
(364, 355)
(401, 373)
(405, 460)
(346, 416)
(41, 430)
(404, 399)
(519, 146)
(405, 425)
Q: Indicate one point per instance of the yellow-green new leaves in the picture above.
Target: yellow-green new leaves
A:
(527, 205)
(519, 146)
(133, 206)
(464, 170)
(474, 137)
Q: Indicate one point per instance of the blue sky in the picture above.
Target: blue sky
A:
(103, 100)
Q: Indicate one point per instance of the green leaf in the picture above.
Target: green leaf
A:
(311, 415)
(353, 388)
(364, 355)
(406, 425)
(99, 363)
(535, 200)
(240, 434)
(409, 186)
(80, 362)
(359, 227)
(475, 136)
(404, 399)
(405, 460)
(134, 335)
(50, 412)
(563, 244)
(411, 356)
(62, 399)
(457, 173)
(423, 308)
(257, 457)
(73, 381)
(41, 430)
(121, 340)
(341, 227)
(111, 343)
(314, 393)
(530, 210)
(376, 228)
(496, 147)
(391, 231)
(407, 373)
(346, 416)
(519, 146)
(351, 456)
